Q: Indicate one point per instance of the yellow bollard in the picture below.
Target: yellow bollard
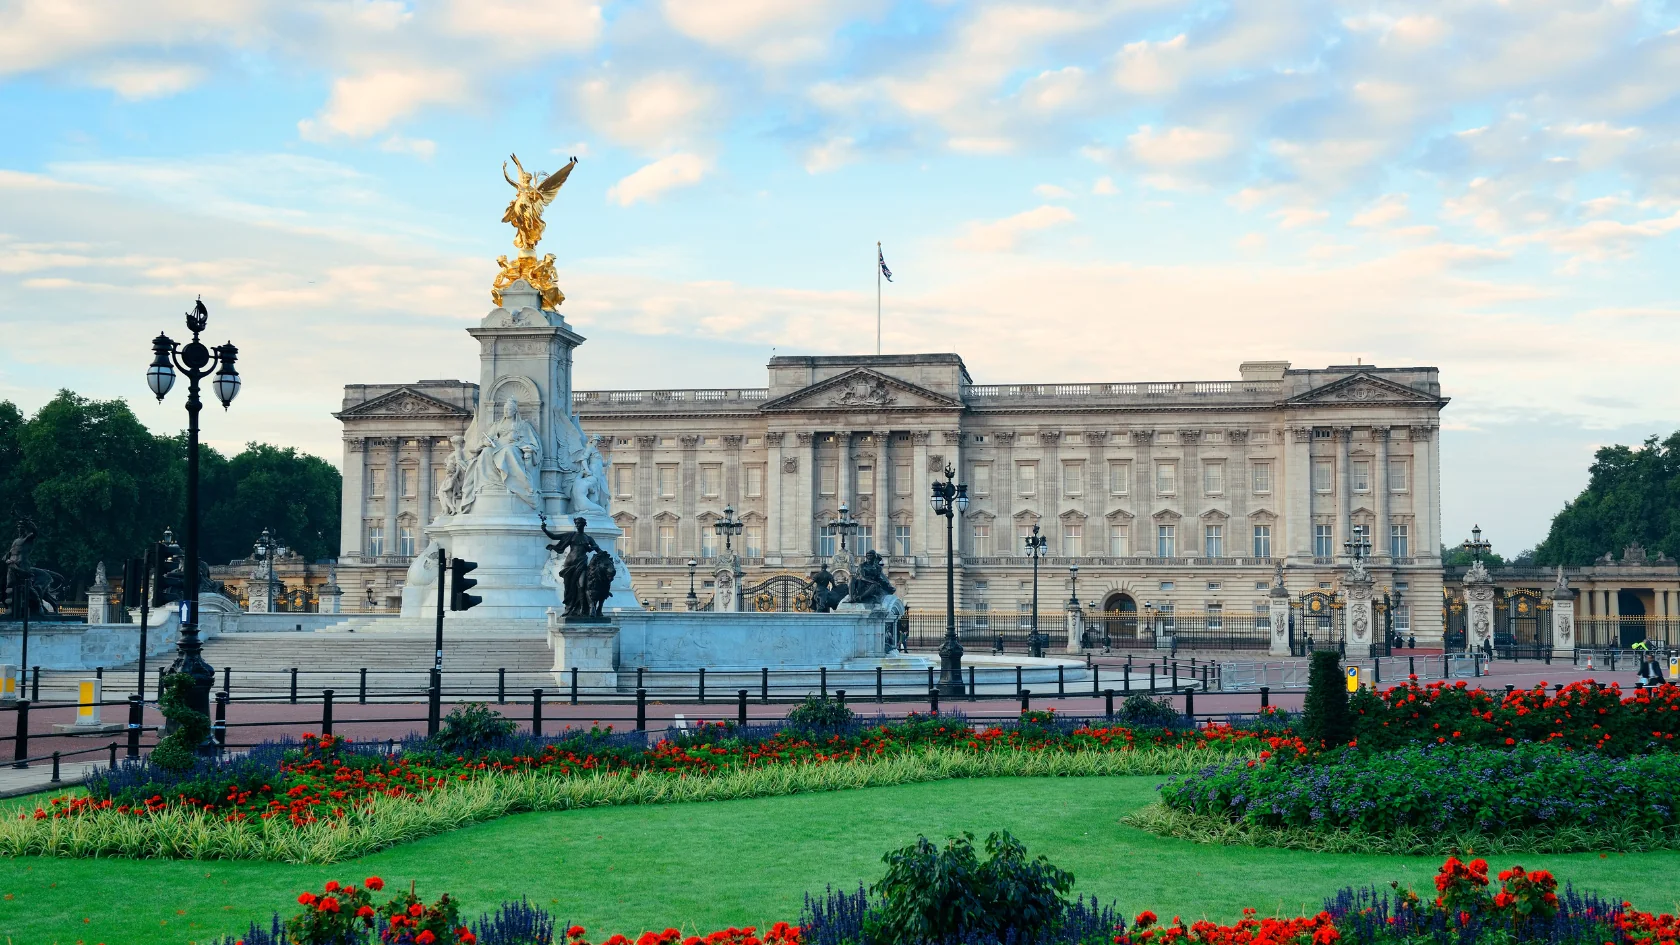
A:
(8, 682)
(1353, 679)
(88, 693)
(1674, 669)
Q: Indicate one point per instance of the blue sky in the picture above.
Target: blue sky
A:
(1080, 191)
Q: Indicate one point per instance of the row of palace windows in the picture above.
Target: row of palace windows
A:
(1072, 541)
(408, 481)
(406, 541)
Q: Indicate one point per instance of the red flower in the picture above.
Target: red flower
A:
(364, 911)
(306, 899)
(332, 885)
(424, 938)
(329, 904)
(464, 936)
(374, 883)
(416, 909)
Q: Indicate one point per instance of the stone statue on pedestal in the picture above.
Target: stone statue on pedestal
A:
(453, 478)
(508, 455)
(601, 574)
(574, 549)
(870, 585)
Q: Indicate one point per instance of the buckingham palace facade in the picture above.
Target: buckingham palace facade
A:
(1176, 497)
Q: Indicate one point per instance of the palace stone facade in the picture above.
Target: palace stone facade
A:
(1181, 494)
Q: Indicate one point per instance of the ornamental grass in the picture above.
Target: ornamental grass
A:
(179, 831)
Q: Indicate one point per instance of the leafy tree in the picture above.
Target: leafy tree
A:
(1632, 495)
(293, 494)
(97, 482)
(1455, 556)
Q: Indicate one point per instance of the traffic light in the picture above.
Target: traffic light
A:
(460, 584)
(160, 570)
(134, 582)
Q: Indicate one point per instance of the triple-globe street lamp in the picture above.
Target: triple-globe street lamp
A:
(845, 525)
(1036, 543)
(729, 526)
(950, 499)
(197, 362)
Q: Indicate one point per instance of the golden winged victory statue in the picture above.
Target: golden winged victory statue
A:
(531, 196)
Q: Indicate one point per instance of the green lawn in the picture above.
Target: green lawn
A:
(706, 866)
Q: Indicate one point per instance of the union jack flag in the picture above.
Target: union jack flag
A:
(884, 270)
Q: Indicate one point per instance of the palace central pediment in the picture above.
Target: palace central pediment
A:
(861, 389)
(1364, 388)
(400, 404)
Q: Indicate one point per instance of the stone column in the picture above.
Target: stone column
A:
(352, 531)
(425, 486)
(804, 533)
(773, 473)
(647, 496)
(1563, 616)
(1143, 493)
(1095, 500)
(1191, 541)
(1478, 602)
(1278, 611)
(1426, 492)
(920, 535)
(393, 498)
(689, 483)
(733, 494)
(1360, 615)
(726, 584)
(883, 491)
(1074, 620)
(845, 471)
(1379, 482)
(1344, 492)
(1299, 470)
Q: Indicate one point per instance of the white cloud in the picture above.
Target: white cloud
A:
(652, 113)
(1104, 187)
(423, 148)
(1002, 235)
(773, 32)
(1390, 208)
(1052, 192)
(368, 103)
(831, 155)
(135, 81)
(1175, 147)
(648, 183)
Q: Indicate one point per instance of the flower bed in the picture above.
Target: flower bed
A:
(1584, 716)
(325, 776)
(1010, 899)
(1431, 798)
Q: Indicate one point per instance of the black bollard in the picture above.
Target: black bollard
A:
(22, 734)
(741, 707)
(702, 685)
(1061, 681)
(1265, 697)
(933, 699)
(764, 685)
(822, 680)
(326, 711)
(641, 710)
(1026, 701)
(294, 685)
(219, 728)
(1190, 704)
(1108, 707)
(135, 723)
(361, 688)
(536, 713)
(880, 694)
(574, 685)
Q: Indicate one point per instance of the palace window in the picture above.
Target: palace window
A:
(1324, 545)
(708, 541)
(667, 541)
(1022, 533)
(1023, 615)
(982, 536)
(1119, 541)
(624, 481)
(1399, 541)
(901, 540)
(864, 540)
(1262, 478)
(1166, 541)
(405, 541)
(982, 616)
(410, 480)
(827, 541)
(1262, 541)
(1397, 475)
(376, 482)
(437, 476)
(1166, 478)
(711, 480)
(1403, 618)
(755, 482)
(375, 540)
(1215, 617)
(1119, 478)
(753, 541)
(1213, 478)
(1073, 479)
(828, 479)
(866, 480)
(667, 482)
(1213, 541)
(1073, 539)
(1361, 475)
(1324, 475)
(1026, 477)
(982, 478)
(902, 480)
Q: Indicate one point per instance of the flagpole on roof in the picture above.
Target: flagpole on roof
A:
(878, 299)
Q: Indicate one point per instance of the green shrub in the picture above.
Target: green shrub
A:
(1148, 712)
(819, 712)
(933, 895)
(188, 728)
(471, 727)
(1325, 718)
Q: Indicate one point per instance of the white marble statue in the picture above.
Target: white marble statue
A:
(454, 477)
(507, 455)
(589, 486)
(423, 570)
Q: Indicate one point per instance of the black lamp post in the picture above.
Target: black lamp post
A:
(845, 525)
(1036, 544)
(693, 599)
(729, 526)
(1475, 545)
(1073, 599)
(265, 550)
(950, 499)
(1359, 546)
(196, 362)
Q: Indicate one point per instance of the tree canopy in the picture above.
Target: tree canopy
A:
(1632, 495)
(100, 486)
